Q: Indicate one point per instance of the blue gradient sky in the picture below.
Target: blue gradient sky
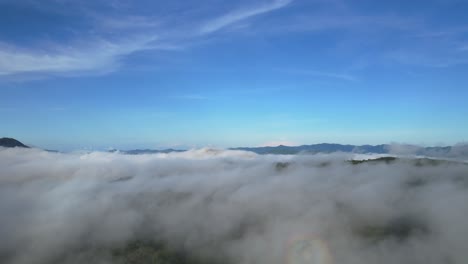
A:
(133, 74)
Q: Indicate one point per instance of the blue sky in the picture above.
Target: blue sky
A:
(155, 74)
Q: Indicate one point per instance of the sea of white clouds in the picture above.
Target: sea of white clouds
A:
(232, 205)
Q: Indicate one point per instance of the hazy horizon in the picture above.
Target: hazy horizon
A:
(117, 146)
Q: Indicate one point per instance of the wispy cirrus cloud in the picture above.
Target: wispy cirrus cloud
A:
(106, 40)
(129, 23)
(100, 57)
(101, 40)
(239, 15)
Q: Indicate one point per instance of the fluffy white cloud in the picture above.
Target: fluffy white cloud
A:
(238, 205)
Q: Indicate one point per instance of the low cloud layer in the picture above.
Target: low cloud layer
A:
(232, 205)
(457, 151)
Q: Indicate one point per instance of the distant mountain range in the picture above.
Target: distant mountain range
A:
(447, 151)
(317, 148)
(11, 143)
(456, 151)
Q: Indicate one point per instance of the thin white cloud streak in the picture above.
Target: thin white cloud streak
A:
(100, 57)
(239, 15)
(130, 22)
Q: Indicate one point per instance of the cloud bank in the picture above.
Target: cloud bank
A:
(231, 205)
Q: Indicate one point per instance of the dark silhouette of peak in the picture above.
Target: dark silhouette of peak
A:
(11, 143)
